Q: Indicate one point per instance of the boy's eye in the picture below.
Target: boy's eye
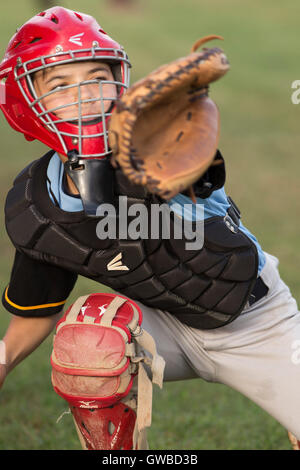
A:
(101, 78)
(58, 86)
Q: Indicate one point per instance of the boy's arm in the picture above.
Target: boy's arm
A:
(35, 298)
(23, 336)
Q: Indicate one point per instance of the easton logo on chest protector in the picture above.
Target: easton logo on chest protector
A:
(116, 264)
(204, 288)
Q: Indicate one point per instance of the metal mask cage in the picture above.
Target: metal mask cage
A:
(75, 128)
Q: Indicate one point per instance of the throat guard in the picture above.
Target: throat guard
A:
(94, 180)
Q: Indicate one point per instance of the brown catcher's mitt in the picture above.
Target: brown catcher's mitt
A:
(164, 131)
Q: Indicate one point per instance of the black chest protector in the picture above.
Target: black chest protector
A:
(204, 288)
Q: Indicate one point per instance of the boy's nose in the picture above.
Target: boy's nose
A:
(88, 91)
(82, 94)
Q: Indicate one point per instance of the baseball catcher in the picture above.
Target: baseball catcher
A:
(220, 312)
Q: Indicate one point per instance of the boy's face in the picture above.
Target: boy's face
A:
(49, 79)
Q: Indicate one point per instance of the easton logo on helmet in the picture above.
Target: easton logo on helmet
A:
(76, 39)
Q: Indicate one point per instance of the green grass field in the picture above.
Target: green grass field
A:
(259, 139)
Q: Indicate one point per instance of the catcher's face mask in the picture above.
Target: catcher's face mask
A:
(80, 96)
(69, 114)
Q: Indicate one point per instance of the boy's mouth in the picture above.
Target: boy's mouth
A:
(86, 121)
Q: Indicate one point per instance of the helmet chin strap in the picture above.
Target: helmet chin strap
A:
(93, 179)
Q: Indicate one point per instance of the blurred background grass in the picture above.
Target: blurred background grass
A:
(259, 139)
